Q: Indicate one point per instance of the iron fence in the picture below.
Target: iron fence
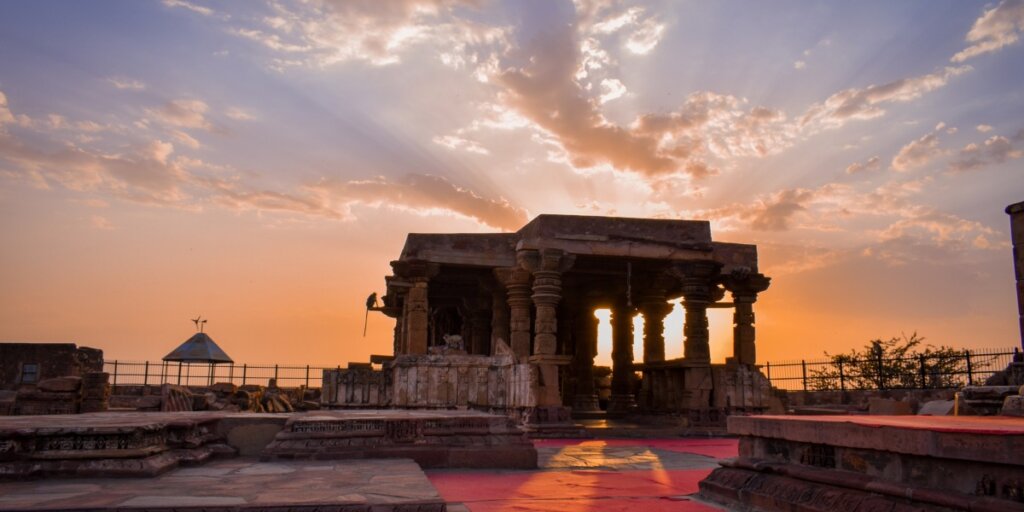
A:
(127, 373)
(936, 371)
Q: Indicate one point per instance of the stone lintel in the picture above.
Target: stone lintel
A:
(550, 359)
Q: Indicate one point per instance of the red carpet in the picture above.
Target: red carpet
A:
(570, 490)
(717, 448)
(579, 490)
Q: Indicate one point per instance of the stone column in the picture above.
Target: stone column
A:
(655, 309)
(517, 283)
(654, 312)
(417, 317)
(699, 291)
(416, 312)
(499, 319)
(744, 288)
(1016, 213)
(585, 335)
(546, 266)
(622, 400)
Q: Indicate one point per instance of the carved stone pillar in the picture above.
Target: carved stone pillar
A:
(416, 312)
(744, 287)
(585, 398)
(499, 319)
(417, 317)
(699, 291)
(517, 284)
(622, 400)
(654, 312)
(546, 266)
(655, 309)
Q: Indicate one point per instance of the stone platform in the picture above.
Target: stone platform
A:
(868, 463)
(434, 439)
(241, 484)
(107, 444)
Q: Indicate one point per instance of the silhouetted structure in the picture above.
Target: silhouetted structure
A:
(1016, 212)
(528, 299)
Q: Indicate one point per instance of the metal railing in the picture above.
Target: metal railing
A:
(141, 373)
(920, 371)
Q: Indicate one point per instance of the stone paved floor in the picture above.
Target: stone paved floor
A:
(239, 483)
(606, 475)
(574, 475)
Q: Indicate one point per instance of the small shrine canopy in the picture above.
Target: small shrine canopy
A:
(200, 348)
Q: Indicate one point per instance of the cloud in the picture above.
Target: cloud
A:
(100, 222)
(457, 142)
(983, 128)
(5, 112)
(183, 113)
(320, 33)
(542, 80)
(424, 193)
(997, 27)
(918, 152)
(799, 64)
(126, 84)
(995, 150)
(871, 164)
(205, 11)
(926, 224)
(239, 114)
(145, 174)
(868, 102)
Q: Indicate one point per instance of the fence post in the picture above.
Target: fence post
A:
(163, 373)
(145, 378)
(768, 369)
(231, 373)
(924, 382)
(115, 374)
(275, 375)
(307, 375)
(803, 365)
(842, 378)
(967, 356)
(245, 370)
(179, 373)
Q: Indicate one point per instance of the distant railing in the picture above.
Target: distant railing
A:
(140, 373)
(948, 370)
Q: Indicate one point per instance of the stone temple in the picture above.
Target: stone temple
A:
(505, 322)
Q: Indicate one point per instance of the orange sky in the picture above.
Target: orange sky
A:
(261, 163)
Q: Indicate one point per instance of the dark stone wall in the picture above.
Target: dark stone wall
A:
(1016, 212)
(54, 360)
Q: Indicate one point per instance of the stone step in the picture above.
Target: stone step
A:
(434, 439)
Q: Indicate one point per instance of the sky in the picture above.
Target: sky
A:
(260, 163)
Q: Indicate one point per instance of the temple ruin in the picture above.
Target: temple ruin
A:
(505, 321)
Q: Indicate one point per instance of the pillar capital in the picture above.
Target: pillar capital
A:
(745, 285)
(545, 260)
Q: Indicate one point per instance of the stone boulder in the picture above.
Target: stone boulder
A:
(1013, 406)
(937, 408)
(60, 384)
(888, 407)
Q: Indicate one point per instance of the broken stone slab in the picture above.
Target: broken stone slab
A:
(989, 392)
(60, 384)
(1013, 406)
(888, 407)
(937, 408)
